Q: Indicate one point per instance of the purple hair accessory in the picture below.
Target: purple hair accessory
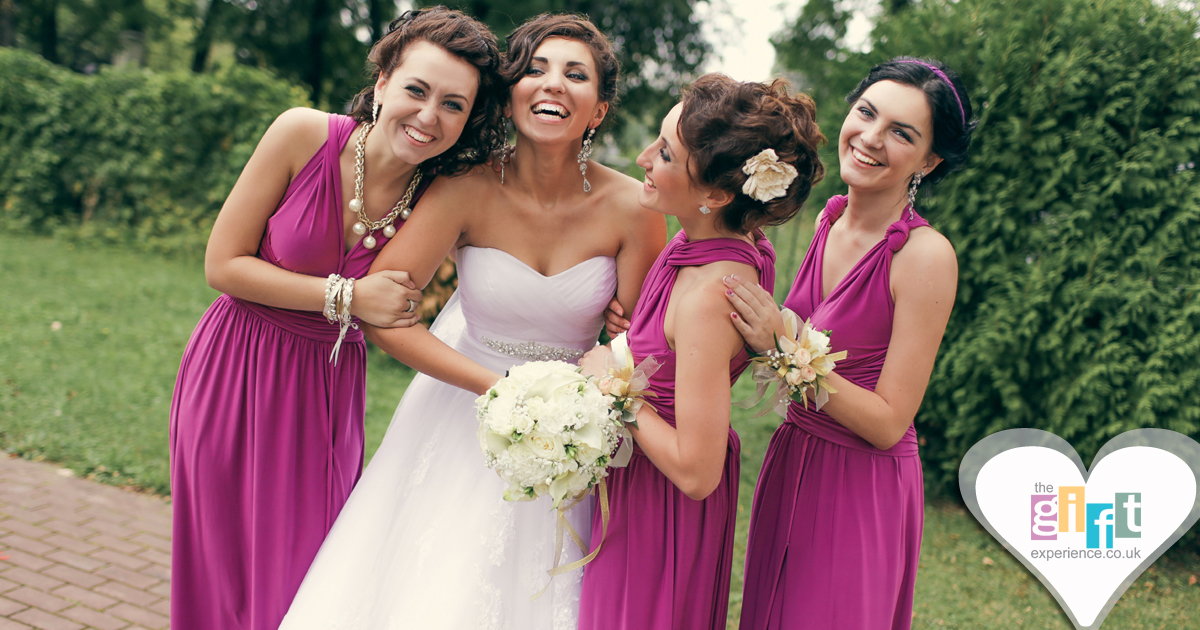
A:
(941, 75)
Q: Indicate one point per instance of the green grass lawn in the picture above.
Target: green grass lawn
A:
(93, 393)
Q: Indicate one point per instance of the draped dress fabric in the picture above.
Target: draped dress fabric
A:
(666, 561)
(835, 528)
(426, 540)
(266, 435)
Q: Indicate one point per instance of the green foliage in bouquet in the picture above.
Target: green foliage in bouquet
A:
(127, 156)
(1076, 220)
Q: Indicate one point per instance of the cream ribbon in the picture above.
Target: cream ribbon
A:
(564, 525)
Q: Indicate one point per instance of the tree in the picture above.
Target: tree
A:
(8, 23)
(83, 34)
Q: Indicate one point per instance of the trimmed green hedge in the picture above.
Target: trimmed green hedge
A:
(127, 155)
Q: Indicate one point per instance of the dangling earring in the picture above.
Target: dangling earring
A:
(505, 150)
(704, 210)
(375, 113)
(912, 193)
(584, 154)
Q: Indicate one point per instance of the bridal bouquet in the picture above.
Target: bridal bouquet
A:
(800, 363)
(547, 429)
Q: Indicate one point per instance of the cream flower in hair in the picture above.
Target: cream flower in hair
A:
(769, 178)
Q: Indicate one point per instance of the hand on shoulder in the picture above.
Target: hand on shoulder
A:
(704, 306)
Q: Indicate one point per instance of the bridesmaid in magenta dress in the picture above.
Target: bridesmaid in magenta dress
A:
(835, 528)
(266, 433)
(666, 559)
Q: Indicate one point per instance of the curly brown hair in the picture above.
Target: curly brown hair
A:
(523, 42)
(724, 123)
(465, 38)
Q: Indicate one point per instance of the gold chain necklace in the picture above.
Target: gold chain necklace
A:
(403, 208)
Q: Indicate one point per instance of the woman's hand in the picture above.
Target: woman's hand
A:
(614, 323)
(386, 299)
(595, 361)
(757, 318)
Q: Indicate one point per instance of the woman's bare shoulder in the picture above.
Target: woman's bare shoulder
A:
(296, 135)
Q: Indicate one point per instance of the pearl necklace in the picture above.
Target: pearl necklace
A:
(364, 225)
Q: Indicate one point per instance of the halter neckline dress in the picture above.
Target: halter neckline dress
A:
(835, 528)
(266, 435)
(667, 559)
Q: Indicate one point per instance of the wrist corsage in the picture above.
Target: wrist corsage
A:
(799, 364)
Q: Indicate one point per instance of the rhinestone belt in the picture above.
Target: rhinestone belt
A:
(532, 351)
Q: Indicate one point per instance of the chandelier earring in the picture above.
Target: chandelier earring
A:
(912, 193)
(585, 154)
(375, 112)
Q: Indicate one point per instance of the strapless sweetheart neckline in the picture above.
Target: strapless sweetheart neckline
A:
(531, 268)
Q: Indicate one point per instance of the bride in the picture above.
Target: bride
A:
(426, 540)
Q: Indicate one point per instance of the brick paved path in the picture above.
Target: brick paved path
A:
(80, 554)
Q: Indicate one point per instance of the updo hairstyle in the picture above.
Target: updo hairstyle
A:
(465, 38)
(523, 42)
(952, 127)
(724, 123)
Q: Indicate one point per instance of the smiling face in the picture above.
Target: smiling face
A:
(668, 187)
(886, 138)
(557, 99)
(426, 102)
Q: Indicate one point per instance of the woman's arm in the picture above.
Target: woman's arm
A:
(924, 279)
(644, 238)
(692, 453)
(231, 264)
(436, 226)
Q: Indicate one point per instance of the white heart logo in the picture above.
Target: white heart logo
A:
(1087, 535)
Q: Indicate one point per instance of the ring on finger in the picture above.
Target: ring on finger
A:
(412, 306)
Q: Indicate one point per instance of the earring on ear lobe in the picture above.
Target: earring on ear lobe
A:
(912, 193)
(704, 210)
(375, 112)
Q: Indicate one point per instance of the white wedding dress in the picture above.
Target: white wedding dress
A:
(426, 541)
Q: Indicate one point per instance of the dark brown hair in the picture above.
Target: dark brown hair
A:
(724, 123)
(465, 38)
(949, 104)
(524, 41)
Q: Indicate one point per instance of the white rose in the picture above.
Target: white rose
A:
(769, 178)
(817, 342)
(545, 446)
(550, 385)
(520, 421)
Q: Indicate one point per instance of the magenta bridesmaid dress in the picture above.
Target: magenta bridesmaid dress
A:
(835, 528)
(667, 559)
(266, 434)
